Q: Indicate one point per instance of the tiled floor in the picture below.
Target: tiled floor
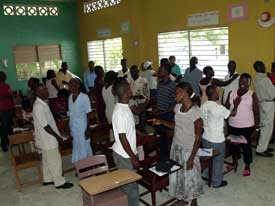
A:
(256, 190)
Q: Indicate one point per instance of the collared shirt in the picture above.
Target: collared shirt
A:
(193, 77)
(166, 95)
(231, 87)
(124, 123)
(176, 70)
(89, 79)
(6, 101)
(125, 74)
(42, 116)
(60, 77)
(213, 116)
(264, 88)
(140, 87)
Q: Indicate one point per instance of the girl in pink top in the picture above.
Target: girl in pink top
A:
(246, 121)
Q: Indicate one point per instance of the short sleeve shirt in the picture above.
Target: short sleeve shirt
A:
(213, 116)
(7, 102)
(185, 127)
(123, 122)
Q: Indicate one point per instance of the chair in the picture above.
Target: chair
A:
(95, 165)
(24, 157)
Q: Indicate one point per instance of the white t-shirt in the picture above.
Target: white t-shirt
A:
(123, 122)
(121, 74)
(152, 80)
(213, 116)
(51, 89)
(110, 102)
(42, 116)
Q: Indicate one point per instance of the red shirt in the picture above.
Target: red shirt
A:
(6, 101)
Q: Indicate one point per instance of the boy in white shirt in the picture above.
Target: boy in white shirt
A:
(213, 115)
(124, 148)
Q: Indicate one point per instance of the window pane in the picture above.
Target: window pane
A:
(211, 48)
(50, 64)
(25, 71)
(95, 52)
(176, 44)
(113, 54)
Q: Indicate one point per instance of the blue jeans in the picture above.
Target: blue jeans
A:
(218, 161)
(131, 189)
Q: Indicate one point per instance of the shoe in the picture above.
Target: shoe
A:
(66, 185)
(223, 184)
(270, 150)
(264, 154)
(48, 183)
(246, 173)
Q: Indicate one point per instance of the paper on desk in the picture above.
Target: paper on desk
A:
(18, 129)
(153, 169)
(205, 152)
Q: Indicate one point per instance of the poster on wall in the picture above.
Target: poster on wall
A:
(103, 33)
(237, 12)
(125, 27)
(203, 19)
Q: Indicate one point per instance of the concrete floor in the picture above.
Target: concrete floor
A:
(256, 190)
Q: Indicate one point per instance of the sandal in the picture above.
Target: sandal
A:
(246, 173)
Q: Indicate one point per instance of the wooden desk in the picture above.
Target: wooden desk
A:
(102, 183)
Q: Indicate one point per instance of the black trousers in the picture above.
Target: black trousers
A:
(246, 148)
(5, 127)
(164, 141)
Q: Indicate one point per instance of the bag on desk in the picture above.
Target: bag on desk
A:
(165, 165)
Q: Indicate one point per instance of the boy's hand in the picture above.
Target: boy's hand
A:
(237, 101)
(190, 164)
(135, 162)
(155, 121)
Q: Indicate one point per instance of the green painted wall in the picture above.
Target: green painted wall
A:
(26, 30)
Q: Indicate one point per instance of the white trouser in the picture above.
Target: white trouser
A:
(266, 124)
(52, 167)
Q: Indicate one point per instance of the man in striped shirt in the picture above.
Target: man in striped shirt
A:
(165, 107)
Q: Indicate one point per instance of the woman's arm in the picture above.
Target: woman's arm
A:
(170, 125)
(219, 83)
(198, 131)
(227, 104)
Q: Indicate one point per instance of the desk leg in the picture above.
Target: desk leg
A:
(153, 192)
(210, 166)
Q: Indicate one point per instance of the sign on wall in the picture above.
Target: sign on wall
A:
(125, 27)
(237, 12)
(103, 33)
(203, 19)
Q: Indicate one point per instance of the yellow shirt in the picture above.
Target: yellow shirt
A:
(60, 77)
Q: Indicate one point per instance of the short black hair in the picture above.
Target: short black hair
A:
(50, 73)
(3, 76)
(167, 67)
(164, 61)
(210, 90)
(120, 86)
(38, 87)
(207, 69)
(91, 62)
(26, 104)
(232, 62)
(273, 65)
(193, 60)
(64, 63)
(258, 65)
(246, 76)
(110, 77)
(134, 67)
(123, 60)
(98, 68)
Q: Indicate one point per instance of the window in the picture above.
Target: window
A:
(106, 53)
(95, 5)
(209, 45)
(30, 10)
(36, 60)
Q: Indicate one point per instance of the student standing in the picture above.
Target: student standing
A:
(165, 107)
(52, 87)
(193, 75)
(210, 80)
(246, 121)
(124, 72)
(46, 135)
(175, 69)
(6, 111)
(151, 77)
(213, 116)
(185, 184)
(89, 78)
(124, 148)
(79, 112)
(266, 93)
(63, 77)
